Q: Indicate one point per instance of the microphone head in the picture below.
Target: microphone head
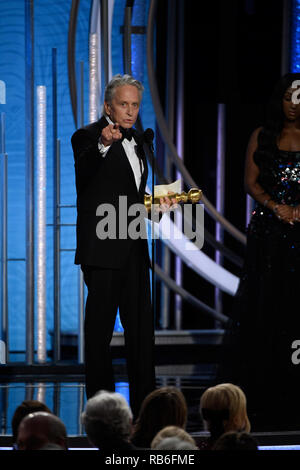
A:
(148, 136)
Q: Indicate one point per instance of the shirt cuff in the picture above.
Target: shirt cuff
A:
(102, 148)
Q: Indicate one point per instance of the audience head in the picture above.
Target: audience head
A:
(25, 408)
(40, 429)
(170, 435)
(163, 407)
(107, 416)
(224, 408)
(175, 443)
(236, 441)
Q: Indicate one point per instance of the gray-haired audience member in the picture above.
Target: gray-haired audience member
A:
(107, 419)
(42, 431)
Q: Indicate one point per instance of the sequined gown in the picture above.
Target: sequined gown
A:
(266, 312)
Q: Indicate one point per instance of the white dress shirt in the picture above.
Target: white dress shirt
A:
(130, 150)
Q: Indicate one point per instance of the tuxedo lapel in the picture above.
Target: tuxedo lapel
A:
(142, 157)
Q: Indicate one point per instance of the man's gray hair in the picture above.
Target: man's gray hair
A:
(121, 80)
(107, 415)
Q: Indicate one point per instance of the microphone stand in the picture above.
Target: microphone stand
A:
(149, 142)
(152, 241)
(151, 151)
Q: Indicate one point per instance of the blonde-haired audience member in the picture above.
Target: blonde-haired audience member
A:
(223, 409)
(173, 432)
(174, 443)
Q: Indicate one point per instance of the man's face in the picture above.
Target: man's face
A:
(124, 107)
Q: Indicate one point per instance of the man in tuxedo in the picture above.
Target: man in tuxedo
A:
(109, 163)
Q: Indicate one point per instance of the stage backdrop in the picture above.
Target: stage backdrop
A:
(51, 23)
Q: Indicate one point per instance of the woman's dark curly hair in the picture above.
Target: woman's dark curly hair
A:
(267, 139)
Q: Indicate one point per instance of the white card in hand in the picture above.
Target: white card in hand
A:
(163, 189)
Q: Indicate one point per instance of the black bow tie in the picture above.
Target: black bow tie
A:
(127, 133)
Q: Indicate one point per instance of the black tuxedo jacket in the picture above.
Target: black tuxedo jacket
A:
(101, 180)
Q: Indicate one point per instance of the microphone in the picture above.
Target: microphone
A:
(148, 137)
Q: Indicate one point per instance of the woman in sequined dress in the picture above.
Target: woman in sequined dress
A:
(266, 315)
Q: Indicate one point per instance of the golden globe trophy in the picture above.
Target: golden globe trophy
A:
(194, 195)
